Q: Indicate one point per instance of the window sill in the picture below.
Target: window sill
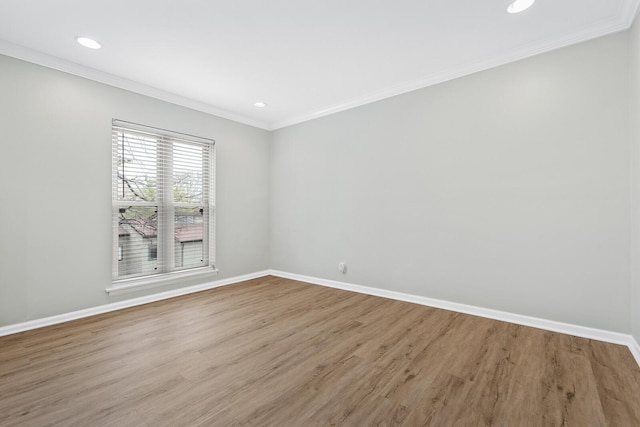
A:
(149, 282)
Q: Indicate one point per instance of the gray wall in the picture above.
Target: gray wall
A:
(55, 194)
(635, 162)
(507, 189)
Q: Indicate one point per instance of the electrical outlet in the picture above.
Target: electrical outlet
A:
(342, 268)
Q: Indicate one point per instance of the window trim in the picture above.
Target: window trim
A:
(141, 283)
(130, 284)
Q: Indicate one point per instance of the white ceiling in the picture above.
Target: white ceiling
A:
(305, 59)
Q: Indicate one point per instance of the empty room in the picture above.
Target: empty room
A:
(338, 213)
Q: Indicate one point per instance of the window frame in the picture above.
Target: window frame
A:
(165, 205)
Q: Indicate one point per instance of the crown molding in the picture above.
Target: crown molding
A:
(39, 58)
(630, 10)
(624, 22)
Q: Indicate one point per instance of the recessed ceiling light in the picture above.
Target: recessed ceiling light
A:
(520, 5)
(260, 104)
(87, 42)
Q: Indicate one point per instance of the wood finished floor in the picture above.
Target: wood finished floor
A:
(275, 352)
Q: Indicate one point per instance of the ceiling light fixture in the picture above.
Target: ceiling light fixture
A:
(520, 5)
(87, 42)
(260, 104)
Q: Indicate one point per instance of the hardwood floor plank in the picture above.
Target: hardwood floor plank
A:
(616, 378)
(277, 352)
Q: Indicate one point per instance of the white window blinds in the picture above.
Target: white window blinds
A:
(162, 202)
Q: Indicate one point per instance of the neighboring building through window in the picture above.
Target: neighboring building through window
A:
(163, 202)
(153, 252)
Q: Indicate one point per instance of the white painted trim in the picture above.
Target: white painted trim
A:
(61, 318)
(635, 349)
(149, 282)
(39, 58)
(623, 22)
(630, 10)
(515, 54)
(549, 325)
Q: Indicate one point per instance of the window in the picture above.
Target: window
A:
(162, 203)
(153, 252)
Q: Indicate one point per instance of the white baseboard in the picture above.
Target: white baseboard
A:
(65, 317)
(549, 325)
(635, 349)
